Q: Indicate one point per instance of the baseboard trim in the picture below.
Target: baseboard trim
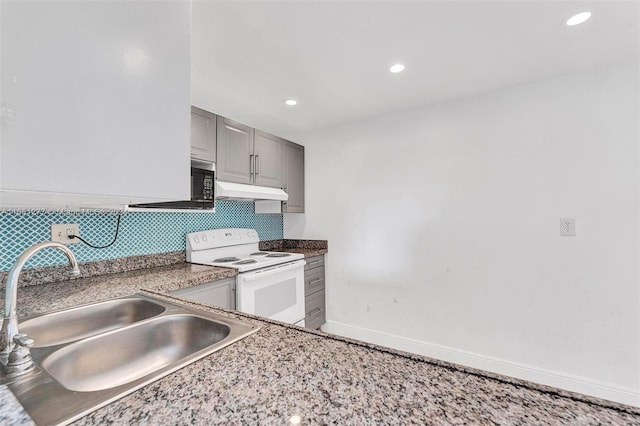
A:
(530, 373)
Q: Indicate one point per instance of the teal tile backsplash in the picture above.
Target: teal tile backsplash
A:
(140, 233)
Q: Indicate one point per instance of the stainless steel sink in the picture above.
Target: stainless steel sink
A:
(116, 358)
(81, 371)
(85, 321)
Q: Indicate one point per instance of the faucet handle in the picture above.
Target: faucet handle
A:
(21, 339)
(20, 360)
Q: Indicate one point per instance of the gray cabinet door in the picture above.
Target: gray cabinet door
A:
(313, 280)
(234, 152)
(294, 177)
(217, 293)
(268, 160)
(315, 313)
(203, 135)
(314, 294)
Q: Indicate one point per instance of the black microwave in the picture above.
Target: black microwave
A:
(202, 185)
(202, 192)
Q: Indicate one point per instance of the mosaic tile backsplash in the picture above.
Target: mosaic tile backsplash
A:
(140, 233)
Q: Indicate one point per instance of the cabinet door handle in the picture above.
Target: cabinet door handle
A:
(251, 163)
(313, 263)
(257, 160)
(314, 282)
(312, 313)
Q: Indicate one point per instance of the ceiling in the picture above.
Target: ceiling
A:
(334, 56)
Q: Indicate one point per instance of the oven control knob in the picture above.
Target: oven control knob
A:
(204, 238)
(196, 239)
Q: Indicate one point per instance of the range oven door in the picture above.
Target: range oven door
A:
(276, 292)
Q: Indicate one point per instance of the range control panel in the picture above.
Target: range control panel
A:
(216, 238)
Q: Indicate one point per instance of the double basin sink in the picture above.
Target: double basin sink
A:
(89, 356)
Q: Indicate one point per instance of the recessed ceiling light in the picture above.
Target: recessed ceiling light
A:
(397, 68)
(291, 102)
(578, 19)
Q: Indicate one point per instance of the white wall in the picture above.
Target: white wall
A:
(443, 228)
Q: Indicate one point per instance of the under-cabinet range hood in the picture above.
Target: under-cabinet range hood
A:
(239, 191)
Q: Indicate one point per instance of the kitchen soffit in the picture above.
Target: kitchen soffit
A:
(334, 57)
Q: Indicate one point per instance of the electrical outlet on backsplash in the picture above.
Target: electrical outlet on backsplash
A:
(140, 233)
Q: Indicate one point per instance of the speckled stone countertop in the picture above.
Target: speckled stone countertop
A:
(38, 299)
(51, 274)
(309, 248)
(11, 412)
(284, 370)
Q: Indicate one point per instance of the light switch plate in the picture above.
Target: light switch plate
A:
(567, 227)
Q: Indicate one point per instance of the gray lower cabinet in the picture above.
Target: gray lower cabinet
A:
(315, 313)
(293, 176)
(203, 135)
(220, 293)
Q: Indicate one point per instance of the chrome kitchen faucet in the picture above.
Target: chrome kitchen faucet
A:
(15, 357)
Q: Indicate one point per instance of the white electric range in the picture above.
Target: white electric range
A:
(269, 284)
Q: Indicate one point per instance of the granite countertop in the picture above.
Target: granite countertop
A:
(307, 252)
(308, 248)
(38, 299)
(284, 370)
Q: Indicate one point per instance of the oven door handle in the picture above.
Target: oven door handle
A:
(245, 278)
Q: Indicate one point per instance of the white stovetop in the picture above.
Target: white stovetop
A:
(205, 247)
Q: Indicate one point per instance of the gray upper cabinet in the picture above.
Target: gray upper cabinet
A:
(203, 135)
(268, 160)
(253, 157)
(293, 155)
(235, 160)
(248, 156)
